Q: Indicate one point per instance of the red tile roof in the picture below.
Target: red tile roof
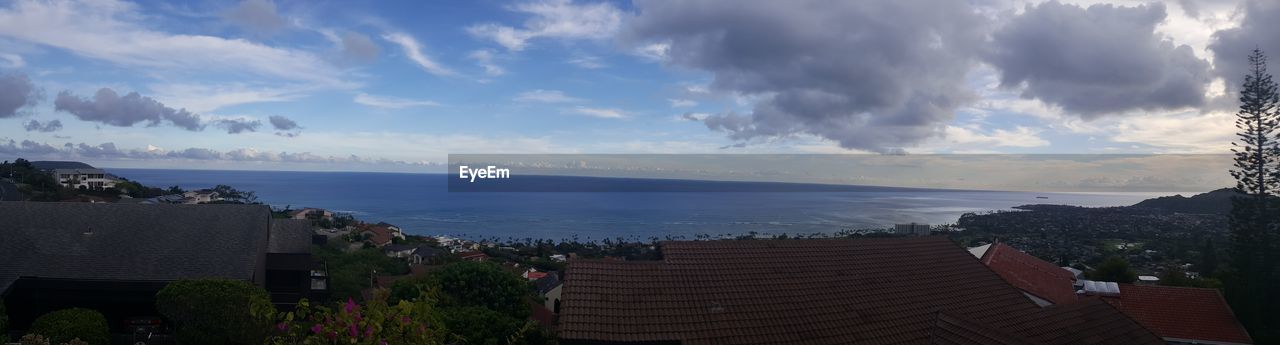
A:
(381, 235)
(1181, 312)
(1030, 274)
(873, 291)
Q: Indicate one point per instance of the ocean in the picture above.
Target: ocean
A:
(422, 204)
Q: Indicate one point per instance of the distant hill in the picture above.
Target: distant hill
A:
(1218, 201)
(50, 165)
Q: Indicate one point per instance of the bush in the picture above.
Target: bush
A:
(64, 325)
(413, 322)
(483, 284)
(216, 311)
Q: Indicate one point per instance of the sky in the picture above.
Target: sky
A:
(397, 86)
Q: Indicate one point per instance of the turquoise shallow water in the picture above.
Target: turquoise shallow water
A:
(421, 204)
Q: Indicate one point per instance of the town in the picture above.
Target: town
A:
(1007, 286)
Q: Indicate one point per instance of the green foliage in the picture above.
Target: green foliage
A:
(36, 339)
(76, 323)
(36, 184)
(483, 284)
(1177, 277)
(413, 322)
(216, 311)
(232, 195)
(1114, 269)
(351, 272)
(481, 326)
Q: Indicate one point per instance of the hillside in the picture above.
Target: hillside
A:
(1214, 202)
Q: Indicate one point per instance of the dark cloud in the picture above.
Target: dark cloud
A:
(36, 126)
(358, 47)
(237, 126)
(107, 107)
(27, 148)
(1099, 60)
(1231, 47)
(16, 92)
(258, 16)
(282, 123)
(104, 150)
(870, 75)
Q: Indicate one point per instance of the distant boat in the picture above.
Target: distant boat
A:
(1042, 197)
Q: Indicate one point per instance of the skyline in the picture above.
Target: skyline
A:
(262, 85)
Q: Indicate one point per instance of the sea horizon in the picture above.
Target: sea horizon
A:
(421, 204)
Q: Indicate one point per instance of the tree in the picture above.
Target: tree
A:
(76, 323)
(1208, 259)
(1114, 269)
(216, 311)
(483, 284)
(1253, 253)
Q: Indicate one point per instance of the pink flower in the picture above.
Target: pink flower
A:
(353, 331)
(316, 328)
(282, 326)
(368, 331)
(404, 320)
(351, 305)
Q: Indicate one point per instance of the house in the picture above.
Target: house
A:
(413, 253)
(379, 236)
(1181, 315)
(558, 258)
(311, 213)
(1041, 281)
(915, 290)
(1176, 314)
(91, 178)
(200, 196)
(114, 258)
(549, 287)
(473, 256)
(399, 250)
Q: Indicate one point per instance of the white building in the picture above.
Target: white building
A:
(200, 196)
(84, 178)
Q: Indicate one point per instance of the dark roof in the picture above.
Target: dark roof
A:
(290, 236)
(138, 242)
(1181, 312)
(50, 165)
(809, 291)
(427, 251)
(547, 282)
(1030, 274)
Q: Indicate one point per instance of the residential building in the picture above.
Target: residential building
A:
(90, 178)
(114, 258)
(915, 290)
(473, 256)
(549, 287)
(311, 213)
(912, 229)
(200, 196)
(1042, 282)
(1179, 315)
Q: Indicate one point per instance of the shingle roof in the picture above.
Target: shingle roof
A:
(290, 236)
(1181, 312)
(130, 241)
(1031, 274)
(878, 291)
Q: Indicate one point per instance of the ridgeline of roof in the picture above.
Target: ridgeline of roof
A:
(1030, 274)
(50, 165)
(96, 241)
(835, 291)
(1181, 312)
(290, 236)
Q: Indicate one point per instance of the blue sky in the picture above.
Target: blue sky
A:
(388, 86)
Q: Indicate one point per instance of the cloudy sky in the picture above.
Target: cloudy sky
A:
(383, 86)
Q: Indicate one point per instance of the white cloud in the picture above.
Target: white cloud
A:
(391, 102)
(203, 98)
(553, 19)
(587, 61)
(484, 59)
(112, 30)
(1017, 137)
(413, 50)
(545, 96)
(13, 60)
(604, 113)
(682, 103)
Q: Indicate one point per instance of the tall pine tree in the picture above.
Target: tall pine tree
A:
(1257, 152)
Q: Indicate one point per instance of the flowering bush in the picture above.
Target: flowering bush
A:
(376, 323)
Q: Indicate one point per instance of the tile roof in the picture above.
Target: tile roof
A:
(130, 241)
(1181, 312)
(878, 291)
(1031, 274)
